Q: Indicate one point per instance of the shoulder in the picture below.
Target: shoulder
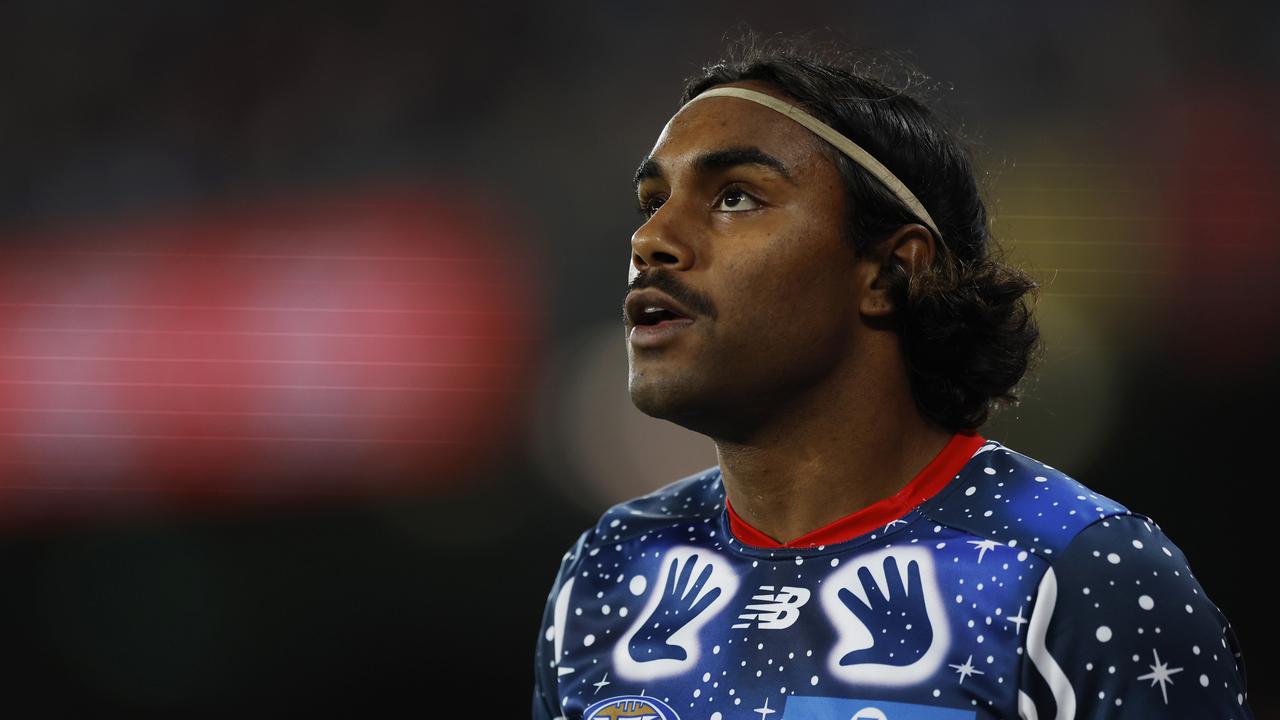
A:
(1121, 568)
(695, 498)
(1003, 495)
(1120, 613)
(1118, 620)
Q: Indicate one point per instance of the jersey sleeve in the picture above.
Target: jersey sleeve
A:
(1121, 628)
(546, 703)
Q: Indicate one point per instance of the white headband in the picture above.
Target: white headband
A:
(841, 143)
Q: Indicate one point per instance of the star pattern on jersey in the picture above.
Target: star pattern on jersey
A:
(1162, 674)
(966, 669)
(1018, 621)
(983, 546)
(1115, 575)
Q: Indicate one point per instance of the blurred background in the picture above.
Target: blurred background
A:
(311, 364)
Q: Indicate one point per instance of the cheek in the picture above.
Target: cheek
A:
(785, 314)
(786, 286)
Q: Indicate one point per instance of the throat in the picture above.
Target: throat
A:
(828, 498)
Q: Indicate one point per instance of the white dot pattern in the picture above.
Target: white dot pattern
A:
(660, 603)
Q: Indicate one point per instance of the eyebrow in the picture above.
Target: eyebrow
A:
(718, 160)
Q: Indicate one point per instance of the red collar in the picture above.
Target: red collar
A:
(923, 486)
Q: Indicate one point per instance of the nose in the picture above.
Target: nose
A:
(659, 242)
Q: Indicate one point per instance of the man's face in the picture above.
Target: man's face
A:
(746, 238)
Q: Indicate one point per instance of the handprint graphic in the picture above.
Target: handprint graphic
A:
(692, 587)
(896, 617)
(891, 630)
(679, 604)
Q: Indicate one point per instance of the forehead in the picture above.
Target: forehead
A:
(722, 122)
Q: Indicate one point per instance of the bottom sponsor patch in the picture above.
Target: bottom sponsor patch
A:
(821, 708)
(632, 707)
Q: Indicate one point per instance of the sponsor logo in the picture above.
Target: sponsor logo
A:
(632, 707)
(774, 611)
(829, 708)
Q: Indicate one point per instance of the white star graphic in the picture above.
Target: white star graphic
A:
(967, 669)
(764, 710)
(1018, 621)
(983, 546)
(1160, 673)
(604, 680)
(894, 522)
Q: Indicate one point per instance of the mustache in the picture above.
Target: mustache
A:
(665, 280)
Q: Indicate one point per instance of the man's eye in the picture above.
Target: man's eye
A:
(648, 207)
(734, 200)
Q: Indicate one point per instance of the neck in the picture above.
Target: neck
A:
(832, 452)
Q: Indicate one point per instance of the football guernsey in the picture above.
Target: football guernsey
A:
(991, 586)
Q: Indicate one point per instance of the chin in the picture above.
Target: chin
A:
(664, 398)
(654, 399)
(688, 405)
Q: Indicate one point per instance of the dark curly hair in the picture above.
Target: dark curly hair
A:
(965, 324)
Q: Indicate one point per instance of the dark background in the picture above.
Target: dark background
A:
(1129, 154)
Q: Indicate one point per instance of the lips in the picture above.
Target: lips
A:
(654, 319)
(651, 307)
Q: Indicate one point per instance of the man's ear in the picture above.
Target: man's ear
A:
(911, 250)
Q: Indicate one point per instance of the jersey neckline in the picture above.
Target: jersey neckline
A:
(927, 483)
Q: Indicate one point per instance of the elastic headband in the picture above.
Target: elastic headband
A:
(841, 143)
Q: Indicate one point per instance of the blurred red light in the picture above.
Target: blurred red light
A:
(346, 345)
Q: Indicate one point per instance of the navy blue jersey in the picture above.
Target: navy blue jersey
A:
(1011, 592)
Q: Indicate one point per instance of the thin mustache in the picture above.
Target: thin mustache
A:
(663, 280)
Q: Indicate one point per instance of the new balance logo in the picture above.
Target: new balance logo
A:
(774, 611)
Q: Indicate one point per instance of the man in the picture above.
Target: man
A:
(814, 288)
